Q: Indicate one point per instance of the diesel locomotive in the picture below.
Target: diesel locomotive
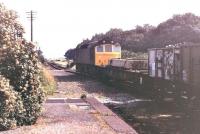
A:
(97, 53)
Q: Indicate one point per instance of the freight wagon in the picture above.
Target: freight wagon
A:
(140, 65)
(179, 63)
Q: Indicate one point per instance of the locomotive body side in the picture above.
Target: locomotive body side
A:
(84, 56)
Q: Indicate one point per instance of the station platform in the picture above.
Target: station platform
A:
(87, 115)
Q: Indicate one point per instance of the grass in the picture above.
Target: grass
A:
(48, 81)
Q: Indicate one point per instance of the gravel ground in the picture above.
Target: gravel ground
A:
(73, 86)
(64, 118)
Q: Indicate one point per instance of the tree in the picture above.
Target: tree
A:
(70, 54)
(178, 29)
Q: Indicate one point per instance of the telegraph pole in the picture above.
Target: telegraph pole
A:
(31, 16)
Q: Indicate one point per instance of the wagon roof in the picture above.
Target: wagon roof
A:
(179, 45)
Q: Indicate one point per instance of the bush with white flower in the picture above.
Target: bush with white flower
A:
(19, 65)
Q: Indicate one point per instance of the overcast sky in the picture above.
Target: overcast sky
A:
(62, 24)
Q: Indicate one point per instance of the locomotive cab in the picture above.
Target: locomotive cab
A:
(105, 52)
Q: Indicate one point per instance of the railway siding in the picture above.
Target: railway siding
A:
(144, 116)
(138, 82)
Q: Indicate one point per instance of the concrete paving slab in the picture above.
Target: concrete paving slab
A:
(102, 109)
(118, 125)
(115, 122)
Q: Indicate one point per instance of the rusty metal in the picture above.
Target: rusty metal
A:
(162, 63)
(176, 63)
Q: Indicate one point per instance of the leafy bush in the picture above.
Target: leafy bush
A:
(19, 64)
(11, 107)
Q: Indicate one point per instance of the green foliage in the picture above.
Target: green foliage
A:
(11, 107)
(70, 54)
(19, 64)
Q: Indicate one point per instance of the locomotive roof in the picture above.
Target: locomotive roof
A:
(97, 43)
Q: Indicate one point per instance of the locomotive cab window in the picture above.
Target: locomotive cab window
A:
(116, 48)
(99, 49)
(108, 48)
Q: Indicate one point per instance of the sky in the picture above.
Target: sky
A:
(61, 24)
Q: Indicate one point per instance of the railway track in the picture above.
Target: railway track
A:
(130, 86)
(55, 66)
